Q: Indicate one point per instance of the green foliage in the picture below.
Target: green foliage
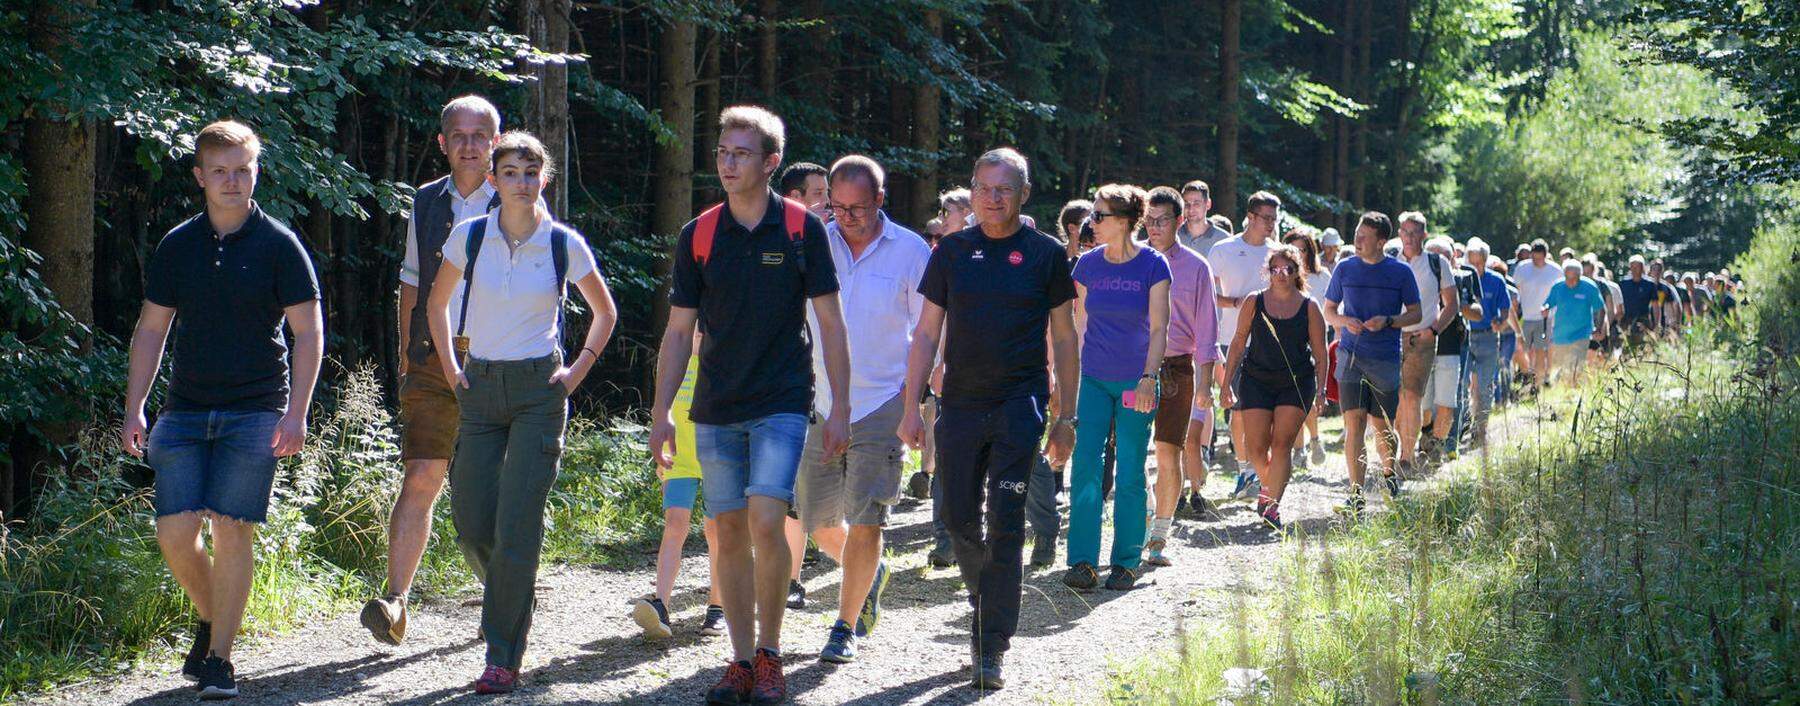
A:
(1618, 553)
(1771, 266)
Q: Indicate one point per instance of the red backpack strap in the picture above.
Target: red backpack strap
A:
(704, 229)
(794, 213)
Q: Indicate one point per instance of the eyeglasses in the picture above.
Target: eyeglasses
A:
(731, 156)
(1098, 215)
(1266, 218)
(983, 191)
(853, 212)
(1155, 222)
(1283, 270)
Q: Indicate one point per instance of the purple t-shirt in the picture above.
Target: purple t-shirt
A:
(1118, 312)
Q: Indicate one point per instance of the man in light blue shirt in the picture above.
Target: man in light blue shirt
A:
(1580, 316)
(844, 500)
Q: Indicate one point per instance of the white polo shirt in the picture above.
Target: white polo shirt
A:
(514, 298)
(881, 302)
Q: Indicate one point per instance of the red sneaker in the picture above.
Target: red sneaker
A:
(734, 687)
(497, 680)
(771, 684)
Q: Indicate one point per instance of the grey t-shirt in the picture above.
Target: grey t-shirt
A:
(1204, 242)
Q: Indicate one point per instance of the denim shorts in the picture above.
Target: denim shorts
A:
(214, 461)
(758, 456)
(680, 493)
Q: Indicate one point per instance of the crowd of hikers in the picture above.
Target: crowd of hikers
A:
(811, 340)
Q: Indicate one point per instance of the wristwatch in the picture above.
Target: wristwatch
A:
(1067, 419)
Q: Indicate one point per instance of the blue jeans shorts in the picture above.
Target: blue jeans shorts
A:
(214, 461)
(758, 456)
(680, 493)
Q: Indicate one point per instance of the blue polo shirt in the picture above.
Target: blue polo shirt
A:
(1494, 300)
(1574, 308)
(229, 292)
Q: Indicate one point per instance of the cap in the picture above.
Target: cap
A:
(1330, 238)
(1571, 264)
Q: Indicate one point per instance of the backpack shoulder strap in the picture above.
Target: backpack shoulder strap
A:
(705, 228)
(471, 250)
(559, 259)
(794, 214)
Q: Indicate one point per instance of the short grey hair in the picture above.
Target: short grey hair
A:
(1441, 243)
(1415, 217)
(1009, 158)
(469, 104)
(1477, 245)
(958, 197)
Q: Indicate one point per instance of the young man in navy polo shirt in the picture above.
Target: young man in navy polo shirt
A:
(225, 280)
(991, 293)
(744, 273)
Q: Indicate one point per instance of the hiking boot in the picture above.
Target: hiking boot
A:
(771, 684)
(987, 669)
(734, 687)
(714, 623)
(796, 595)
(385, 617)
(196, 655)
(1043, 552)
(919, 486)
(1120, 579)
(941, 558)
(218, 680)
(840, 647)
(871, 607)
(497, 680)
(653, 617)
(1081, 577)
(1153, 553)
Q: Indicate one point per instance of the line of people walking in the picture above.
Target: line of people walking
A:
(811, 340)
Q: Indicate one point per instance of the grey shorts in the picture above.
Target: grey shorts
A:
(859, 486)
(1537, 335)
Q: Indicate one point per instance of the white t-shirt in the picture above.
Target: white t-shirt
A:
(1429, 284)
(1316, 284)
(461, 209)
(1534, 287)
(514, 299)
(1238, 268)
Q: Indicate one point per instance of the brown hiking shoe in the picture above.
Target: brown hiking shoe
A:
(385, 618)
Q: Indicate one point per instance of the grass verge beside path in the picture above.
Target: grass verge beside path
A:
(1636, 540)
(83, 588)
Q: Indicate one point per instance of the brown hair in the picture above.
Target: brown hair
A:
(1384, 226)
(1128, 201)
(1166, 196)
(226, 134)
(524, 145)
(1197, 185)
(1293, 255)
(1308, 249)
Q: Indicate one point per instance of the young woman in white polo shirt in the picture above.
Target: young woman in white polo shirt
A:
(508, 371)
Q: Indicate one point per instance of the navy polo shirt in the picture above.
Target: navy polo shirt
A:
(228, 293)
(755, 359)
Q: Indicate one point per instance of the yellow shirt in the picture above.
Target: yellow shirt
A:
(686, 463)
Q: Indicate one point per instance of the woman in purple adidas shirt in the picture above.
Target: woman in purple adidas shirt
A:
(1123, 290)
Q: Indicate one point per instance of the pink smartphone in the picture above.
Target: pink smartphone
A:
(1130, 398)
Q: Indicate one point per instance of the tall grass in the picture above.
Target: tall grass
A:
(83, 589)
(1636, 541)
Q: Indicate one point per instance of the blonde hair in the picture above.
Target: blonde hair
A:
(226, 134)
(759, 120)
(526, 146)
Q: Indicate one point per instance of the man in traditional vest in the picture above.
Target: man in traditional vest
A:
(428, 410)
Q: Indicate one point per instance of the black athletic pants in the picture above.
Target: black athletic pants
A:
(985, 453)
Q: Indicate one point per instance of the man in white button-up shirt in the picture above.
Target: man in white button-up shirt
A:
(844, 501)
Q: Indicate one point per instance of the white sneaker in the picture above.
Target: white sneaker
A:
(1318, 452)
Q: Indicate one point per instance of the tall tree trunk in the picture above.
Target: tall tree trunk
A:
(674, 186)
(707, 134)
(1412, 81)
(1341, 124)
(768, 49)
(1359, 175)
(546, 24)
(927, 126)
(59, 168)
(1225, 193)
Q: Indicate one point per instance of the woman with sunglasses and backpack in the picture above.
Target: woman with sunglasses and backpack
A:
(507, 370)
(1276, 370)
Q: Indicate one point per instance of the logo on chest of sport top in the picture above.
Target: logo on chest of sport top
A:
(1016, 258)
(979, 255)
(772, 258)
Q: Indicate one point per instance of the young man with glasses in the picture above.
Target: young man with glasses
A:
(1187, 371)
(744, 272)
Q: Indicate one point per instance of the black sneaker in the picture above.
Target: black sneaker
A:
(196, 655)
(987, 670)
(1120, 579)
(1043, 552)
(796, 595)
(714, 624)
(218, 681)
(652, 616)
(1271, 515)
(919, 486)
(1081, 577)
(1391, 482)
(1181, 505)
(941, 558)
(1353, 505)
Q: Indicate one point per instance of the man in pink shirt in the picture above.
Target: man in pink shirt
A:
(1193, 344)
